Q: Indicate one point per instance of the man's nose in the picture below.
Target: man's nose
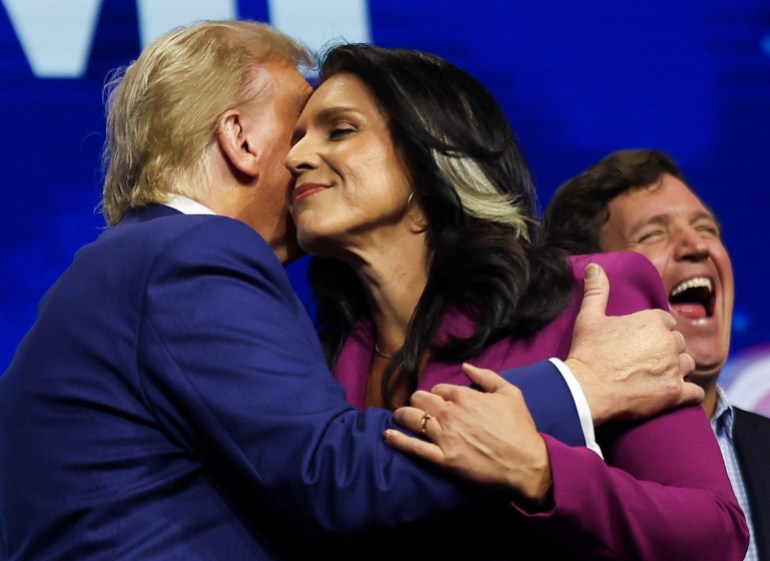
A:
(692, 245)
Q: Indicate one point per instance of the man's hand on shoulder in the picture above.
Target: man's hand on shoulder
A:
(630, 367)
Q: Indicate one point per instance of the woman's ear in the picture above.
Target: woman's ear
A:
(233, 139)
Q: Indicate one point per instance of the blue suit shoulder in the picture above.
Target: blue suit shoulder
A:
(151, 241)
(170, 232)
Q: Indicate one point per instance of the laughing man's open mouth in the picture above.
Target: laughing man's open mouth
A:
(693, 298)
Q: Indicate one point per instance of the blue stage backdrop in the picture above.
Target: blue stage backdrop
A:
(577, 79)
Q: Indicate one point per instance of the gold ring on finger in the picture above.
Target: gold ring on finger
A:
(424, 421)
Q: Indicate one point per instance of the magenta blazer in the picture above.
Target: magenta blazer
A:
(660, 493)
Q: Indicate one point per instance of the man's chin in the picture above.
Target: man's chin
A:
(293, 252)
(706, 371)
(290, 249)
(709, 353)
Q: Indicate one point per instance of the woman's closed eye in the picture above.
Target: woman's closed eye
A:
(339, 132)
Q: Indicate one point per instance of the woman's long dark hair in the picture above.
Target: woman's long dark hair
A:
(475, 189)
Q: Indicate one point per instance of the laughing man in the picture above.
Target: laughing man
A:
(638, 200)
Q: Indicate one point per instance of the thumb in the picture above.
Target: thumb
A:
(486, 380)
(596, 292)
(692, 393)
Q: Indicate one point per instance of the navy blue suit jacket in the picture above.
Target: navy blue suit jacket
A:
(171, 402)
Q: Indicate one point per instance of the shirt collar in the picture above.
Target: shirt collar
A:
(724, 416)
(186, 205)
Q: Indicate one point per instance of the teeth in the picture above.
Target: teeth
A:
(699, 282)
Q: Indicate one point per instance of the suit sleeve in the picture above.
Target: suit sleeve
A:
(663, 493)
(550, 401)
(231, 368)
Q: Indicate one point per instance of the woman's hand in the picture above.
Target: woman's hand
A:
(486, 436)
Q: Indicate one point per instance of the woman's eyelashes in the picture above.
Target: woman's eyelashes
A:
(338, 132)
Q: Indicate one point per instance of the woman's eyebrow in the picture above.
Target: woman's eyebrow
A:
(330, 113)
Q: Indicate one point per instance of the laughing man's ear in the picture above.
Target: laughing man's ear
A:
(233, 138)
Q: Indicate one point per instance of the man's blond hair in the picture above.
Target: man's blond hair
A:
(162, 110)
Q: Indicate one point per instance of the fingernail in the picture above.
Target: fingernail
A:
(591, 271)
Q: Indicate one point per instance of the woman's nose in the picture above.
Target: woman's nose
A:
(300, 157)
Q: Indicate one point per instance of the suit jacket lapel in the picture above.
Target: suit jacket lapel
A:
(752, 443)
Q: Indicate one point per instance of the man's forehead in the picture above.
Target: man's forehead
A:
(278, 77)
(304, 95)
(653, 203)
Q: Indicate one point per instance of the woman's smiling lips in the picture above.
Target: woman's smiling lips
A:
(305, 190)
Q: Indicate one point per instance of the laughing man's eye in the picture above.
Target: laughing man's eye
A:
(711, 229)
(650, 237)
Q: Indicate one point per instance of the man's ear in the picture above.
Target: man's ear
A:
(235, 143)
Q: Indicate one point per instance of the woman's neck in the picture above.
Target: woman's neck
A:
(393, 285)
(392, 265)
(392, 291)
(393, 269)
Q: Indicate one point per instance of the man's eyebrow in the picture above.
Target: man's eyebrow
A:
(708, 215)
(633, 228)
(658, 219)
(664, 219)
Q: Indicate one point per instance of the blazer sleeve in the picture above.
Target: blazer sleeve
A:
(663, 492)
(230, 366)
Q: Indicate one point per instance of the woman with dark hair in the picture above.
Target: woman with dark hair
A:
(415, 199)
